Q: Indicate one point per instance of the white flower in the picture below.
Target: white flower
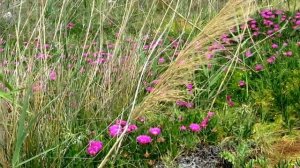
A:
(7, 16)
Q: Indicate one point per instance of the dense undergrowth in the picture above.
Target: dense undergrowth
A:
(68, 80)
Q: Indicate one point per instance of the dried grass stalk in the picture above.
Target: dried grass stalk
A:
(180, 72)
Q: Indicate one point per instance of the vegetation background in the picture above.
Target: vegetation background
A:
(69, 69)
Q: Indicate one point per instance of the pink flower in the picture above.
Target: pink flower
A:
(155, 82)
(37, 87)
(242, 83)
(189, 86)
(204, 123)
(210, 114)
(115, 130)
(42, 56)
(182, 128)
(161, 60)
(110, 46)
(271, 59)
(70, 25)
(121, 122)
(52, 75)
(131, 128)
(209, 55)
(255, 33)
(180, 103)
(185, 104)
(229, 101)
(259, 67)
(155, 131)
(189, 105)
(149, 89)
(143, 139)
(269, 32)
(274, 45)
(195, 127)
(248, 54)
(278, 12)
(94, 147)
(146, 47)
(288, 53)
(142, 119)
(175, 44)
(85, 54)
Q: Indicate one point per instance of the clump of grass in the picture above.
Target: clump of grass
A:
(180, 72)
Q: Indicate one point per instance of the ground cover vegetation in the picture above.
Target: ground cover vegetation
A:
(142, 83)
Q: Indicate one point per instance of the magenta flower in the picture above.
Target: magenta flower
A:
(210, 114)
(271, 59)
(195, 127)
(94, 147)
(52, 75)
(161, 60)
(142, 119)
(288, 53)
(85, 55)
(189, 105)
(155, 82)
(70, 25)
(155, 131)
(255, 33)
(180, 103)
(242, 83)
(269, 32)
(182, 128)
(131, 128)
(144, 139)
(248, 54)
(37, 87)
(42, 56)
(229, 101)
(175, 44)
(146, 47)
(204, 123)
(274, 45)
(149, 89)
(121, 122)
(209, 55)
(259, 67)
(189, 86)
(115, 130)
(278, 12)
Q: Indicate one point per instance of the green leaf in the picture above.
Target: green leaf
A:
(5, 82)
(21, 132)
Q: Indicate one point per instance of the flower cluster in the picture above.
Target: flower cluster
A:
(197, 127)
(146, 139)
(94, 147)
(119, 126)
(186, 104)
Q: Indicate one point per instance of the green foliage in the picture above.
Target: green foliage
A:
(51, 127)
(242, 156)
